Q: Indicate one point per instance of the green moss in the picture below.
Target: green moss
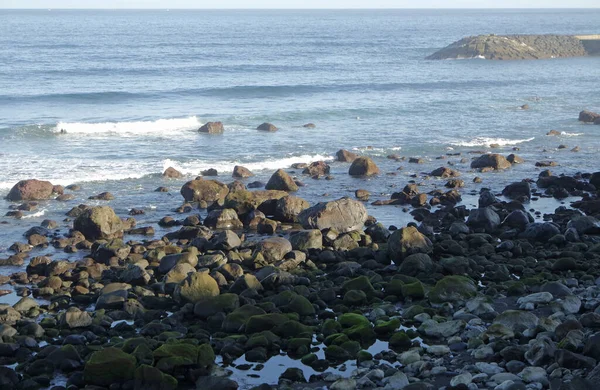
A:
(109, 366)
(413, 290)
(292, 329)
(400, 342)
(361, 283)
(387, 327)
(355, 298)
(265, 322)
(151, 378)
(330, 326)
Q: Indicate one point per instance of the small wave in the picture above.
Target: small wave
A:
(565, 134)
(157, 127)
(40, 213)
(195, 167)
(486, 141)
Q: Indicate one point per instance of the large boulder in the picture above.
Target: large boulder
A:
(241, 172)
(109, 366)
(306, 239)
(345, 156)
(343, 215)
(453, 288)
(204, 190)
(172, 173)
(588, 116)
(407, 241)
(493, 160)
(363, 166)
(99, 222)
(317, 168)
(483, 218)
(223, 219)
(212, 128)
(244, 201)
(281, 181)
(197, 287)
(288, 208)
(31, 189)
(267, 127)
(518, 190)
(273, 249)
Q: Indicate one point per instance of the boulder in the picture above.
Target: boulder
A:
(197, 287)
(75, 318)
(345, 156)
(288, 208)
(453, 288)
(267, 127)
(444, 172)
(241, 172)
(588, 116)
(99, 222)
(343, 215)
(518, 190)
(172, 173)
(273, 249)
(223, 219)
(109, 366)
(31, 189)
(317, 168)
(243, 201)
(363, 166)
(493, 160)
(306, 239)
(281, 181)
(212, 128)
(483, 218)
(208, 191)
(407, 241)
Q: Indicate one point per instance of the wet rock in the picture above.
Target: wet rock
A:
(99, 222)
(306, 239)
(519, 190)
(212, 128)
(281, 181)
(172, 173)
(109, 366)
(343, 215)
(317, 168)
(31, 189)
(483, 218)
(241, 172)
(273, 249)
(267, 127)
(444, 172)
(493, 160)
(196, 287)
(363, 166)
(223, 219)
(588, 116)
(289, 207)
(208, 191)
(453, 288)
(345, 156)
(407, 241)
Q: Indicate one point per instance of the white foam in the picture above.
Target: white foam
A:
(196, 166)
(157, 127)
(564, 133)
(35, 215)
(486, 141)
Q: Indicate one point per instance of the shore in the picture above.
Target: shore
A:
(251, 285)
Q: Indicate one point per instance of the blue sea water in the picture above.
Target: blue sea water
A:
(131, 88)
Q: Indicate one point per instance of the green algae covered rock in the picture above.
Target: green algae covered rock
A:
(453, 288)
(108, 366)
(151, 378)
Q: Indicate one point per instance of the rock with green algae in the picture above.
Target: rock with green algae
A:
(292, 328)
(361, 283)
(400, 341)
(387, 327)
(239, 317)
(151, 378)
(355, 298)
(300, 305)
(452, 289)
(173, 356)
(197, 287)
(407, 241)
(109, 366)
(358, 328)
(225, 303)
(262, 322)
(413, 291)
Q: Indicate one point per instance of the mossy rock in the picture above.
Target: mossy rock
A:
(400, 342)
(184, 351)
(361, 283)
(151, 378)
(355, 298)
(362, 333)
(364, 356)
(239, 317)
(109, 366)
(309, 359)
(335, 353)
(387, 327)
(143, 354)
(394, 287)
(292, 329)
(412, 311)
(262, 322)
(336, 339)
(301, 306)
(330, 326)
(348, 320)
(225, 303)
(206, 356)
(131, 344)
(299, 346)
(353, 347)
(453, 288)
(414, 291)
(257, 341)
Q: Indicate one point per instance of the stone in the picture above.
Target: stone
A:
(363, 166)
(281, 181)
(343, 215)
(407, 241)
(75, 318)
(223, 219)
(31, 189)
(452, 288)
(446, 329)
(517, 320)
(345, 156)
(196, 287)
(273, 249)
(212, 128)
(493, 160)
(209, 191)
(518, 190)
(99, 222)
(267, 127)
(483, 218)
(288, 208)
(109, 366)
(241, 172)
(306, 239)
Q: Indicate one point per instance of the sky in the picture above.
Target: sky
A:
(212, 4)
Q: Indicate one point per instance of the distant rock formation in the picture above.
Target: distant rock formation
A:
(520, 47)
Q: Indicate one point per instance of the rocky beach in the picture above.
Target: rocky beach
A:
(247, 285)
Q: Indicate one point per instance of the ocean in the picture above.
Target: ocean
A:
(107, 99)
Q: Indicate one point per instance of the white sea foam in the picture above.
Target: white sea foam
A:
(157, 127)
(486, 141)
(194, 167)
(565, 134)
(35, 215)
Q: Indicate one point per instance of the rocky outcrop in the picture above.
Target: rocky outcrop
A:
(281, 181)
(31, 189)
(99, 223)
(589, 117)
(513, 47)
(363, 166)
(212, 128)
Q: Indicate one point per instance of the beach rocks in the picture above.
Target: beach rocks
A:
(484, 218)
(99, 222)
(407, 241)
(223, 219)
(453, 288)
(208, 191)
(109, 366)
(273, 249)
(317, 168)
(197, 287)
(288, 208)
(520, 191)
(343, 215)
(588, 116)
(241, 172)
(363, 166)
(281, 181)
(493, 161)
(172, 173)
(212, 128)
(267, 127)
(343, 155)
(31, 189)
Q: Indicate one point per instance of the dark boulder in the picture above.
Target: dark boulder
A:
(212, 128)
(31, 189)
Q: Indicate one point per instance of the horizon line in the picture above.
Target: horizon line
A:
(294, 9)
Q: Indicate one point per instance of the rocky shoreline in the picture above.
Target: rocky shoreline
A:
(520, 47)
(481, 298)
